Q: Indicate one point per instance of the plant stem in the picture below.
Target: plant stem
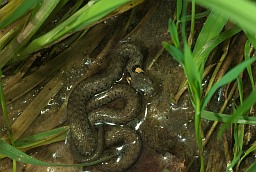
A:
(6, 117)
(198, 134)
(192, 25)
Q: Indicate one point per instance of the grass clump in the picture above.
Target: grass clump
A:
(22, 23)
(193, 59)
(23, 32)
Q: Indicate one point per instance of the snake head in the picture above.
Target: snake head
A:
(141, 83)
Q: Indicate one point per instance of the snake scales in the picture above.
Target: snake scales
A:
(91, 120)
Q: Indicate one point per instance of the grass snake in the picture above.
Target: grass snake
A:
(97, 128)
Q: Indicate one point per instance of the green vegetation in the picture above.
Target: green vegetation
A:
(22, 45)
(193, 62)
(22, 23)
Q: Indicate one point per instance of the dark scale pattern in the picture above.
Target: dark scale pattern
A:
(86, 141)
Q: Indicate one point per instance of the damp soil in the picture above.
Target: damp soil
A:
(166, 127)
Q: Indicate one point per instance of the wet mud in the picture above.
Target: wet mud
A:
(166, 128)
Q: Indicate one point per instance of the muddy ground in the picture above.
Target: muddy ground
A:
(166, 127)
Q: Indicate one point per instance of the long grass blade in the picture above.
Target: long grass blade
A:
(230, 76)
(36, 139)
(247, 152)
(241, 110)
(202, 54)
(193, 75)
(174, 33)
(247, 56)
(10, 51)
(211, 29)
(252, 168)
(4, 110)
(14, 10)
(17, 155)
(176, 53)
(240, 12)
(90, 13)
(212, 116)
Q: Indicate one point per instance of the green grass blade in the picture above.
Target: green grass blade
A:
(175, 52)
(240, 89)
(192, 23)
(95, 12)
(211, 29)
(74, 8)
(17, 11)
(17, 155)
(247, 152)
(240, 12)
(234, 161)
(195, 85)
(178, 11)
(197, 16)
(37, 139)
(230, 76)
(251, 38)
(5, 39)
(241, 110)
(252, 168)
(202, 55)
(247, 56)
(4, 110)
(212, 116)
(90, 13)
(195, 88)
(174, 33)
(193, 76)
(41, 13)
(11, 50)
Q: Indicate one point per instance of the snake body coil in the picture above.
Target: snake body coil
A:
(87, 113)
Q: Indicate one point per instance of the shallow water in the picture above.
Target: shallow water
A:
(166, 129)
